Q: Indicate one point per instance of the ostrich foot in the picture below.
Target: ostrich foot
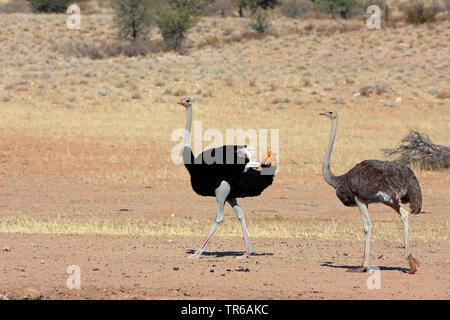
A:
(245, 255)
(361, 269)
(196, 255)
(413, 264)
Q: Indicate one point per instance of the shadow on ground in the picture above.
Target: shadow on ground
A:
(221, 254)
(331, 264)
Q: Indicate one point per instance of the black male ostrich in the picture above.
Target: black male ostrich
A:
(227, 173)
(375, 181)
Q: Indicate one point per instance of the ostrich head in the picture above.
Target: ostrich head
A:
(269, 159)
(185, 102)
(332, 114)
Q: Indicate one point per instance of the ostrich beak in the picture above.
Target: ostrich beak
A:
(322, 114)
(181, 102)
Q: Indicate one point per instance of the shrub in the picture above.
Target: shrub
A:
(295, 8)
(417, 12)
(49, 6)
(173, 22)
(255, 4)
(263, 4)
(133, 18)
(260, 23)
(345, 8)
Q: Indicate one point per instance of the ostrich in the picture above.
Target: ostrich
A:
(229, 176)
(375, 181)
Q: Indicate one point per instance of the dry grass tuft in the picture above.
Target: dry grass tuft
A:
(284, 228)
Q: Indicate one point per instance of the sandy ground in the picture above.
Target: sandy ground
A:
(120, 267)
(133, 268)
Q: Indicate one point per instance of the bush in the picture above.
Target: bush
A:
(173, 22)
(345, 8)
(255, 4)
(133, 18)
(264, 4)
(49, 6)
(260, 23)
(417, 12)
(295, 8)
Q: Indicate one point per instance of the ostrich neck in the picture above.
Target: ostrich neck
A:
(187, 133)
(329, 177)
(188, 156)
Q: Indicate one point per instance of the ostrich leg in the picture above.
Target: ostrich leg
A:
(240, 215)
(367, 230)
(222, 193)
(413, 262)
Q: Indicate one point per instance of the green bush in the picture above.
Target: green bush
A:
(255, 4)
(133, 18)
(49, 6)
(345, 8)
(417, 12)
(175, 20)
(260, 23)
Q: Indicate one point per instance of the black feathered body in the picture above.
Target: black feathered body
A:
(215, 165)
(380, 181)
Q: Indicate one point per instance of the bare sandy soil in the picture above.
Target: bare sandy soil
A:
(33, 266)
(156, 268)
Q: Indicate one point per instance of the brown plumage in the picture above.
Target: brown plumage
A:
(375, 181)
(380, 181)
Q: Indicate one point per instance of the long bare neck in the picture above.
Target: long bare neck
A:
(187, 133)
(329, 177)
(188, 156)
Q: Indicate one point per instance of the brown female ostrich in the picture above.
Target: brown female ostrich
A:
(374, 181)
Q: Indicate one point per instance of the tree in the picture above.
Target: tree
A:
(133, 18)
(176, 19)
(49, 6)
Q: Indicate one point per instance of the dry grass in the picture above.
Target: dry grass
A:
(269, 228)
(109, 121)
